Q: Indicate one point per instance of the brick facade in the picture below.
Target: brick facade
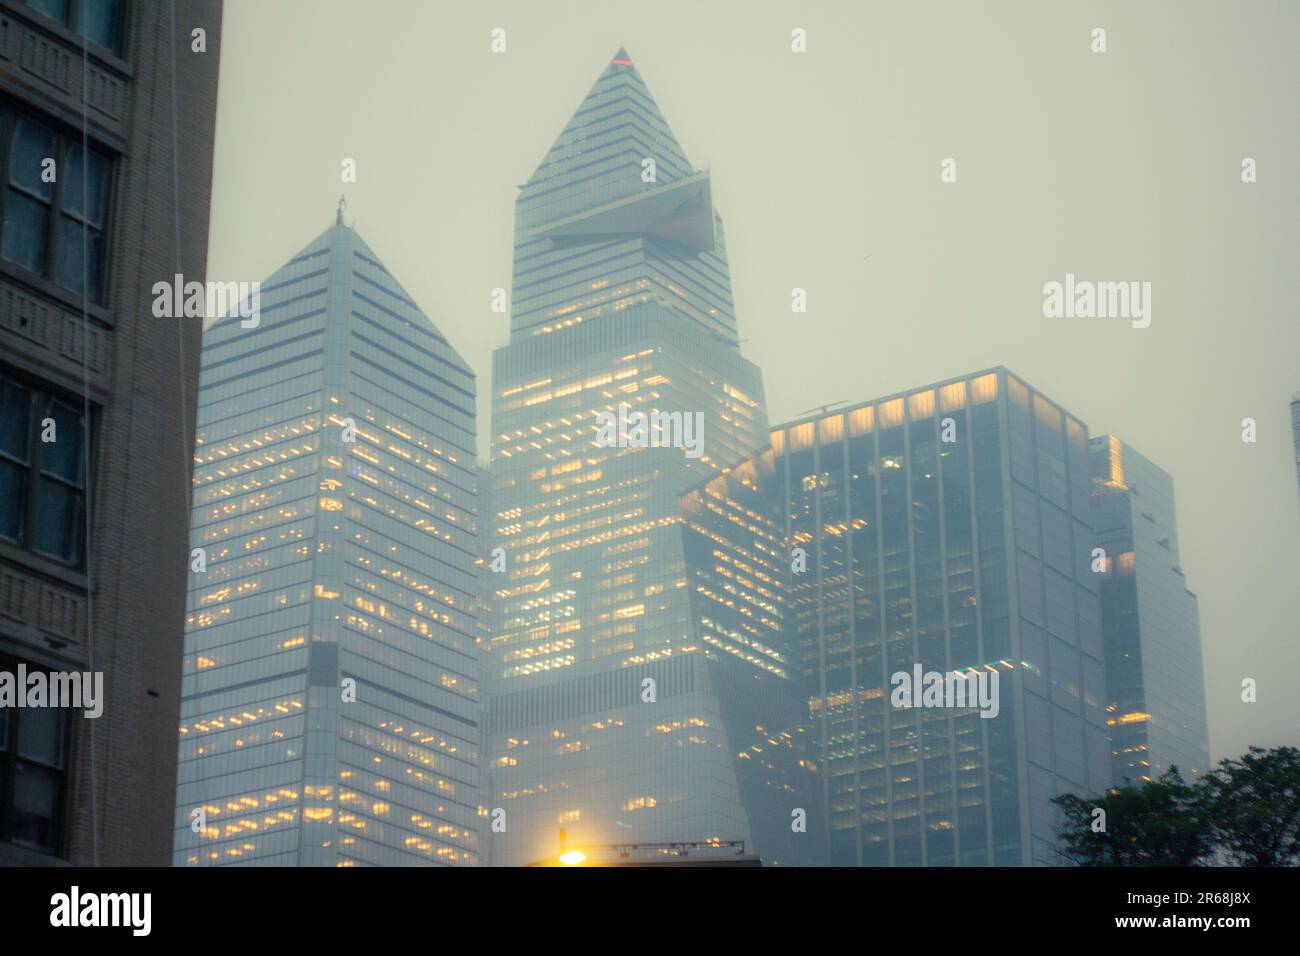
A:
(124, 615)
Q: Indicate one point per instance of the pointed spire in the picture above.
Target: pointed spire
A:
(618, 99)
(338, 220)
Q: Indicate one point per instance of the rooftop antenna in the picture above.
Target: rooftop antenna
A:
(342, 205)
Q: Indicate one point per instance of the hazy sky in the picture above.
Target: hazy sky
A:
(1123, 165)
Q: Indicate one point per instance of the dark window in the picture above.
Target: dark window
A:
(99, 21)
(42, 482)
(33, 752)
(53, 228)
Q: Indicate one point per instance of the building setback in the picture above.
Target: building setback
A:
(737, 566)
(330, 711)
(1154, 676)
(607, 714)
(947, 527)
(106, 127)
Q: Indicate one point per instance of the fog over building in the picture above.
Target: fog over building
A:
(609, 713)
(330, 710)
(1150, 621)
(946, 527)
(1295, 432)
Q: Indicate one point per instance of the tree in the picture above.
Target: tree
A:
(1160, 823)
(1252, 806)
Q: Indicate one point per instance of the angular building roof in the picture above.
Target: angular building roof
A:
(309, 272)
(618, 118)
(615, 213)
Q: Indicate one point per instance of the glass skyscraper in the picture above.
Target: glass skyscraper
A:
(1295, 432)
(947, 527)
(1154, 677)
(609, 715)
(330, 708)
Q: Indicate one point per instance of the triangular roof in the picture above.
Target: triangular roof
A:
(618, 113)
(298, 277)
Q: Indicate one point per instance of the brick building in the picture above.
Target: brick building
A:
(107, 112)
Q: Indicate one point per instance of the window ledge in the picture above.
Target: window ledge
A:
(101, 56)
(12, 854)
(69, 301)
(47, 567)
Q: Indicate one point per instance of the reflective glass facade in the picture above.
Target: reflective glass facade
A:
(963, 554)
(332, 564)
(736, 568)
(1154, 674)
(621, 295)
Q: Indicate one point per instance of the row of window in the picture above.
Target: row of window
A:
(55, 195)
(54, 198)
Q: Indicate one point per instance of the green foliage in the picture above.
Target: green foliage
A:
(1154, 824)
(1255, 801)
(1245, 812)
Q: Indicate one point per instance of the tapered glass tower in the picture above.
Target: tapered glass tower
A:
(607, 711)
(330, 711)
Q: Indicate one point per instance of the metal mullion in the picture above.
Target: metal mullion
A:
(6, 141)
(33, 469)
(56, 206)
(64, 799)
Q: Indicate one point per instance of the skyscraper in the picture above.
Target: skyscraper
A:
(737, 565)
(945, 527)
(606, 714)
(106, 129)
(330, 711)
(1156, 685)
(1295, 432)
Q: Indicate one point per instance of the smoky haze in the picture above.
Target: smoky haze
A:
(1118, 166)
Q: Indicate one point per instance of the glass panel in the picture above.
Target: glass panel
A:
(96, 182)
(26, 225)
(58, 521)
(54, 9)
(13, 486)
(67, 265)
(96, 20)
(40, 735)
(35, 807)
(31, 147)
(15, 419)
(63, 456)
